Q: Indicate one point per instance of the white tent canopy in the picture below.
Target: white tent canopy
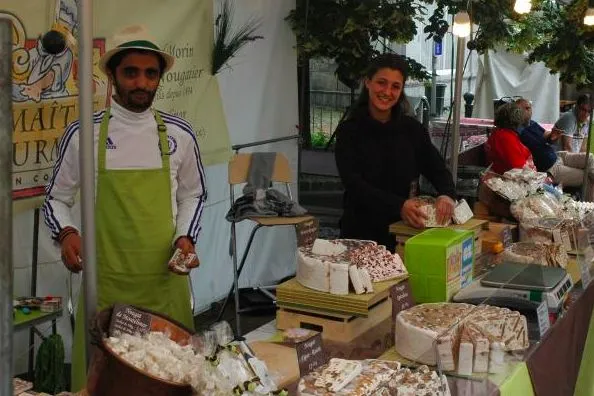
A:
(503, 73)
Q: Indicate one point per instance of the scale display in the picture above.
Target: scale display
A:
(524, 276)
(520, 286)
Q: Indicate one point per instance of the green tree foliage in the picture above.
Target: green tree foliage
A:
(553, 33)
(567, 43)
(351, 32)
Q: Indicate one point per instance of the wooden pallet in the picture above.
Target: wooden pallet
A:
(334, 326)
(291, 294)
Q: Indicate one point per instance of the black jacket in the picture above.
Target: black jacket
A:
(377, 163)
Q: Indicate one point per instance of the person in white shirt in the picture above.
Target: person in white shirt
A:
(574, 126)
(150, 191)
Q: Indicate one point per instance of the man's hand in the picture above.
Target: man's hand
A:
(555, 134)
(444, 209)
(187, 247)
(567, 143)
(412, 214)
(72, 252)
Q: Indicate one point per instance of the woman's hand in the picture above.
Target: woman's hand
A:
(444, 209)
(412, 214)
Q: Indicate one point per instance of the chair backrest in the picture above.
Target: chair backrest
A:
(239, 167)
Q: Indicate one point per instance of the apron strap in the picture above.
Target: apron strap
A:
(102, 148)
(103, 133)
(163, 141)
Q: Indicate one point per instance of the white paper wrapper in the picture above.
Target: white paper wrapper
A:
(427, 205)
(223, 332)
(163, 358)
(180, 261)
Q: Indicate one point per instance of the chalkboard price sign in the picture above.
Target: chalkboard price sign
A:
(310, 354)
(402, 298)
(129, 320)
(307, 232)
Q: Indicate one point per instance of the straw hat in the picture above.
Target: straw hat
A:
(135, 36)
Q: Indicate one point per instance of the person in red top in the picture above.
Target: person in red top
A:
(504, 149)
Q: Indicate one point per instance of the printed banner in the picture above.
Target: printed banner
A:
(45, 86)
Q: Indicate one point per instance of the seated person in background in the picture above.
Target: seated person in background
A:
(574, 126)
(564, 167)
(504, 149)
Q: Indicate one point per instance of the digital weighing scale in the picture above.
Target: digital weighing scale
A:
(523, 285)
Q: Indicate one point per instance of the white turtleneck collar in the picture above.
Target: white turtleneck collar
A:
(127, 116)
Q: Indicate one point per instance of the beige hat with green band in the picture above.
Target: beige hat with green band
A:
(134, 37)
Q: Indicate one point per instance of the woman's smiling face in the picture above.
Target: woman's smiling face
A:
(384, 88)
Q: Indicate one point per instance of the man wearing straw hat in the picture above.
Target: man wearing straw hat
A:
(150, 191)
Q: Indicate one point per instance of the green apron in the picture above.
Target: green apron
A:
(134, 229)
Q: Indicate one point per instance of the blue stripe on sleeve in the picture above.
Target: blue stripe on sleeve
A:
(194, 227)
(50, 218)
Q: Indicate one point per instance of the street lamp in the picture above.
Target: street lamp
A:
(461, 26)
(461, 29)
(522, 6)
(589, 17)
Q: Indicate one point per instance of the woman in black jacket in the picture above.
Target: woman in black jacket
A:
(380, 153)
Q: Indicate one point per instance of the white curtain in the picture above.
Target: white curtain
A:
(503, 73)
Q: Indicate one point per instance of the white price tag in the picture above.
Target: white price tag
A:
(566, 240)
(557, 237)
(585, 262)
(462, 212)
(543, 318)
(586, 277)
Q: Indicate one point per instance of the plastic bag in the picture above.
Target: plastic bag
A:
(553, 254)
(509, 189)
(223, 332)
(427, 205)
(536, 206)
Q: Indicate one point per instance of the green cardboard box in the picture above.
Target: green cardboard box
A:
(440, 263)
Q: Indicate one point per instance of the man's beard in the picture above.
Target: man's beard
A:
(126, 99)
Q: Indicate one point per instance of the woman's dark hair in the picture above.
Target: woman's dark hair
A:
(383, 61)
(116, 59)
(509, 116)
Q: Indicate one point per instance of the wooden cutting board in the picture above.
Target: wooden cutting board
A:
(291, 293)
(281, 361)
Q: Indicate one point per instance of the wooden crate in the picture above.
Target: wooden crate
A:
(403, 232)
(498, 206)
(481, 211)
(334, 326)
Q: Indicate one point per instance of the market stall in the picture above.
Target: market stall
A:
(358, 311)
(524, 372)
(358, 319)
(444, 314)
(519, 375)
(525, 368)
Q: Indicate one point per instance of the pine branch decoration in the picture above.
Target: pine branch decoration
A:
(228, 41)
